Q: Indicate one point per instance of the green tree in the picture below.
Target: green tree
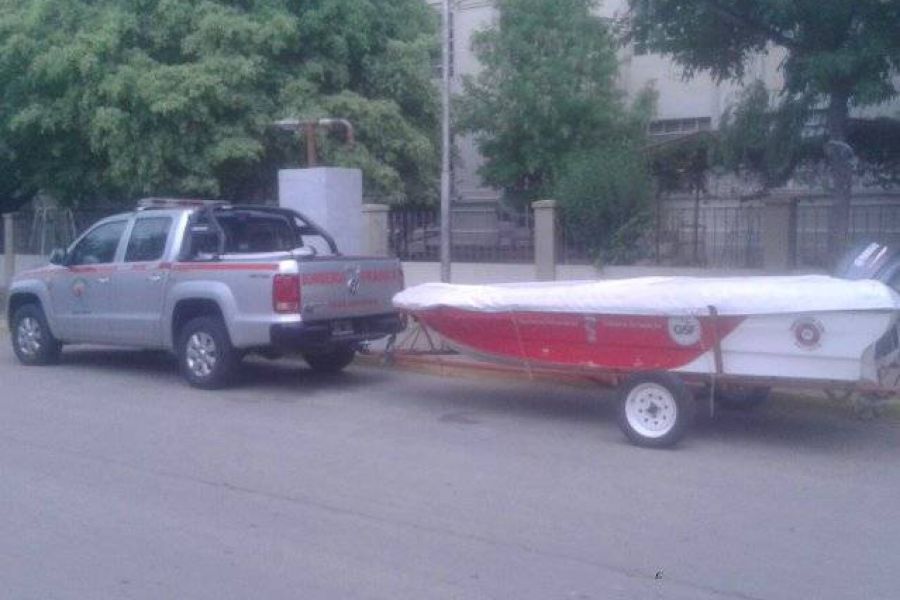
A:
(546, 92)
(765, 141)
(604, 194)
(769, 141)
(838, 53)
(113, 99)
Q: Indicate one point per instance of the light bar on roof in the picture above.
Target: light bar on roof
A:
(178, 203)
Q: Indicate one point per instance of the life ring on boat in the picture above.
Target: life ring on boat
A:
(655, 409)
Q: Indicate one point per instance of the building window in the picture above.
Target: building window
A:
(680, 126)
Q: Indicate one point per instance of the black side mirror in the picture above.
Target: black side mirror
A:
(58, 256)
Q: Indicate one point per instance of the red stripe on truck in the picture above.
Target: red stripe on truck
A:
(225, 267)
(323, 278)
(339, 278)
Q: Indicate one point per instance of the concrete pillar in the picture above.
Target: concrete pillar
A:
(331, 197)
(376, 228)
(545, 239)
(9, 250)
(779, 233)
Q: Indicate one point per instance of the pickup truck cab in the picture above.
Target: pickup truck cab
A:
(210, 282)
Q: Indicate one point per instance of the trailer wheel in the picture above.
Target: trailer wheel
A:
(655, 409)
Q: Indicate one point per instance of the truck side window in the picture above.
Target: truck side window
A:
(99, 245)
(148, 239)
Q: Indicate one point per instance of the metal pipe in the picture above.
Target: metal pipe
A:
(445, 143)
(309, 127)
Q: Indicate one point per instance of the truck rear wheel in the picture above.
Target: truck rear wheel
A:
(205, 354)
(32, 340)
(330, 361)
(656, 409)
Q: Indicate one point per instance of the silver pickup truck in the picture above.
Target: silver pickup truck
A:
(210, 282)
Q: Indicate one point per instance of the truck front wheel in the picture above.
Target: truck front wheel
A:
(207, 358)
(32, 340)
(330, 361)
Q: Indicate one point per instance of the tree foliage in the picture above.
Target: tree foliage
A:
(113, 99)
(682, 164)
(764, 141)
(546, 92)
(769, 141)
(833, 46)
(604, 194)
(838, 53)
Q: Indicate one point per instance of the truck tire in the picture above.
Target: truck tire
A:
(330, 361)
(205, 354)
(655, 409)
(32, 340)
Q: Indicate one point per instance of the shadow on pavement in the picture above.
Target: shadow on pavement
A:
(253, 372)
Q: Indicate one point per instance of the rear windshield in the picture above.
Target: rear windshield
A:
(250, 232)
(246, 232)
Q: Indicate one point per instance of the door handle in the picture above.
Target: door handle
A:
(103, 280)
(155, 277)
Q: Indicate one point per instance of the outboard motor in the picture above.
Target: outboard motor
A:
(871, 261)
(880, 262)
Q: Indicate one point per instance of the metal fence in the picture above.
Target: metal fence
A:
(868, 222)
(713, 236)
(479, 234)
(721, 237)
(40, 231)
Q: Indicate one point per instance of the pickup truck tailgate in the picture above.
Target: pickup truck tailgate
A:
(347, 287)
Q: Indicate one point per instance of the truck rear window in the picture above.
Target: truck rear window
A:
(246, 232)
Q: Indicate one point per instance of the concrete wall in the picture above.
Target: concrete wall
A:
(23, 263)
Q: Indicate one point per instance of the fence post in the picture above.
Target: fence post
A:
(779, 234)
(545, 239)
(9, 249)
(377, 229)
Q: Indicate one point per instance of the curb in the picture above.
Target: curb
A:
(464, 367)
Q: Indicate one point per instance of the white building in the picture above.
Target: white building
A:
(684, 106)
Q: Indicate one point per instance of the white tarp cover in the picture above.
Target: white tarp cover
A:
(660, 296)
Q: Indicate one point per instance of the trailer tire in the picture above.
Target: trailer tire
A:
(655, 409)
(330, 361)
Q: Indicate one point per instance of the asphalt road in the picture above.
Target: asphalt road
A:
(119, 481)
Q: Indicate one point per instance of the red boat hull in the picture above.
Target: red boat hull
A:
(616, 342)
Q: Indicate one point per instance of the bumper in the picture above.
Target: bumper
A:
(322, 334)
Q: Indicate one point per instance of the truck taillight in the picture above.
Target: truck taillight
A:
(286, 293)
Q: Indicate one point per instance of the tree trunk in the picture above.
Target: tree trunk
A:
(840, 162)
